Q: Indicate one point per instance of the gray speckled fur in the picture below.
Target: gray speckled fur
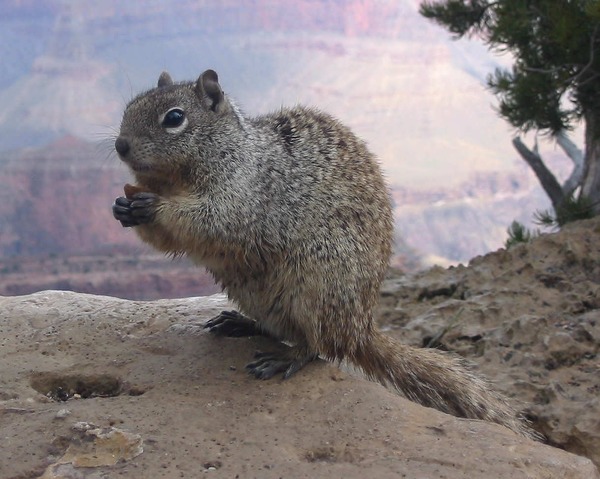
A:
(290, 213)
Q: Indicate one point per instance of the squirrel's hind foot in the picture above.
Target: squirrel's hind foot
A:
(266, 365)
(289, 362)
(233, 325)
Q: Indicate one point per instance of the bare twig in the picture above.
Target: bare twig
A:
(544, 175)
(576, 155)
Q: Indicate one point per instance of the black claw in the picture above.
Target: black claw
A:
(268, 365)
(232, 324)
(122, 201)
(120, 212)
(134, 211)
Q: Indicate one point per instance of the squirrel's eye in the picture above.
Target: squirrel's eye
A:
(173, 118)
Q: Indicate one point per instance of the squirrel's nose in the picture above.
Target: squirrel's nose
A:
(122, 146)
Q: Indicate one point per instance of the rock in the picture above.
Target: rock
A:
(62, 413)
(93, 447)
(529, 318)
(185, 395)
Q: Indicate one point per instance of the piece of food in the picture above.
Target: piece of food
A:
(131, 190)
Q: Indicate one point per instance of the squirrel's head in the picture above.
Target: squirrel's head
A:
(165, 129)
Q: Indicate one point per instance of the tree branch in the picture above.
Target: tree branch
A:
(582, 69)
(590, 63)
(544, 175)
(576, 155)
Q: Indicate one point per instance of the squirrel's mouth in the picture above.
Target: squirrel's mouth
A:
(137, 167)
(140, 168)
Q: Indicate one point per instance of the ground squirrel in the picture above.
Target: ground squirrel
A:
(290, 213)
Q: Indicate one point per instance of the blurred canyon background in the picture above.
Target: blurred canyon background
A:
(416, 96)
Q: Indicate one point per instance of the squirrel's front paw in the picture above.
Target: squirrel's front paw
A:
(138, 210)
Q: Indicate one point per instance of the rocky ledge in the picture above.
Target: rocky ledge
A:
(528, 318)
(95, 387)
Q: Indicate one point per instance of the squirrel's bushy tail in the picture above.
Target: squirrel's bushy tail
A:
(436, 379)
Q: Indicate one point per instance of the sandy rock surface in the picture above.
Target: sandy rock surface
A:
(96, 387)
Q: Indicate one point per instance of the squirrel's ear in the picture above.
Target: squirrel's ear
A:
(164, 80)
(208, 88)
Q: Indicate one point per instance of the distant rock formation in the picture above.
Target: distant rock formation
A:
(451, 225)
(56, 200)
(66, 92)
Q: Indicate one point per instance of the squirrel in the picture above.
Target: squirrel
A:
(290, 213)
